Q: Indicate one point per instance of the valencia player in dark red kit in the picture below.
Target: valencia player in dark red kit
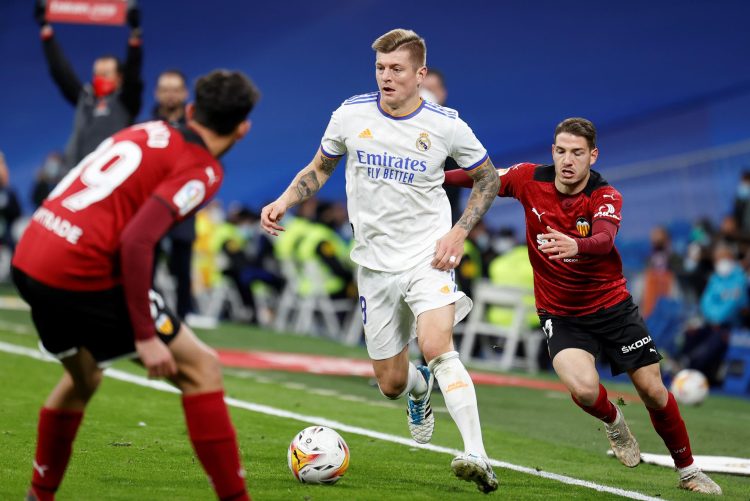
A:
(84, 265)
(572, 217)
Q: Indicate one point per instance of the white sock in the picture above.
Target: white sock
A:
(460, 399)
(618, 418)
(415, 384)
(687, 471)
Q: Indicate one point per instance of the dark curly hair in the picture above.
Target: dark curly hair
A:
(223, 99)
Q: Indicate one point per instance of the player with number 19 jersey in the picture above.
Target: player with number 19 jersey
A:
(73, 239)
(394, 175)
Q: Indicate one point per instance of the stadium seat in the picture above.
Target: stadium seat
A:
(737, 380)
(634, 254)
(288, 305)
(5, 258)
(489, 337)
(666, 323)
(225, 294)
(318, 313)
(680, 231)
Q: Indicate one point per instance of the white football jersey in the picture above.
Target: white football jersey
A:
(394, 176)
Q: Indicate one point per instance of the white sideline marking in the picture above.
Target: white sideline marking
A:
(272, 411)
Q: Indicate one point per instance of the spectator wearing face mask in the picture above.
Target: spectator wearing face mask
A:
(502, 242)
(240, 248)
(323, 245)
(731, 231)
(697, 265)
(112, 99)
(662, 270)
(725, 298)
(723, 306)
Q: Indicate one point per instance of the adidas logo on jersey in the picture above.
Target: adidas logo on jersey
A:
(366, 134)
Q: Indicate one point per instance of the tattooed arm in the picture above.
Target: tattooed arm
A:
(483, 193)
(450, 248)
(306, 184)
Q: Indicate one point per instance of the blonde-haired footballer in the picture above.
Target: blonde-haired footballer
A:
(395, 144)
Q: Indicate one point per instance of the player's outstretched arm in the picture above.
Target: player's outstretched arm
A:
(450, 248)
(306, 184)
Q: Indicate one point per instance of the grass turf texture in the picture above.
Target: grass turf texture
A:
(116, 458)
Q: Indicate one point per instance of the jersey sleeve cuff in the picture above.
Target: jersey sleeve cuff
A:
(329, 155)
(477, 164)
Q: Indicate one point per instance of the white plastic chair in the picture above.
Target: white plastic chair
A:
(318, 313)
(478, 331)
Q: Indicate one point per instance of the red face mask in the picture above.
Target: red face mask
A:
(103, 86)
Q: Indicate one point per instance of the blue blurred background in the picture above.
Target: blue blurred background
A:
(667, 83)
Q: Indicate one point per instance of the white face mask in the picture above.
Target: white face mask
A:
(246, 231)
(502, 245)
(483, 241)
(724, 267)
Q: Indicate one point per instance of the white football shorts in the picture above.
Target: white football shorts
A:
(391, 302)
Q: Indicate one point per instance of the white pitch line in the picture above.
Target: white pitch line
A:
(272, 411)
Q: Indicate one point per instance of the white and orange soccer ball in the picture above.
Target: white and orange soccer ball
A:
(689, 387)
(318, 455)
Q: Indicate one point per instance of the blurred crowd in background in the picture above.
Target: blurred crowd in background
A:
(692, 287)
(691, 280)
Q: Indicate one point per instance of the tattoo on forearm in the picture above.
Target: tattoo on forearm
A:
(307, 186)
(486, 186)
(309, 183)
(327, 165)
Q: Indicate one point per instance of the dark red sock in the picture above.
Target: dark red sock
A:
(669, 425)
(55, 434)
(215, 443)
(602, 409)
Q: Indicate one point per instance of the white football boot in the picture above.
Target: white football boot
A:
(473, 468)
(623, 443)
(419, 411)
(693, 479)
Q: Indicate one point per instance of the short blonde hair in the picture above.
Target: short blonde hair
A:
(403, 39)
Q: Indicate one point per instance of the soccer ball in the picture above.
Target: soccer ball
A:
(318, 455)
(690, 387)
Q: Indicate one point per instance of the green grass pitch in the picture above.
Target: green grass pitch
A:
(133, 443)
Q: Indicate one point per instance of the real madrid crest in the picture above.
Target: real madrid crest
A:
(423, 142)
(583, 226)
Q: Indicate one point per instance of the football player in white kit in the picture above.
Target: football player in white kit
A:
(395, 144)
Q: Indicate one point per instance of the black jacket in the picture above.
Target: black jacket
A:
(95, 118)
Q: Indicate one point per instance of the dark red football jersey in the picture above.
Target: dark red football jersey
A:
(73, 239)
(575, 286)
